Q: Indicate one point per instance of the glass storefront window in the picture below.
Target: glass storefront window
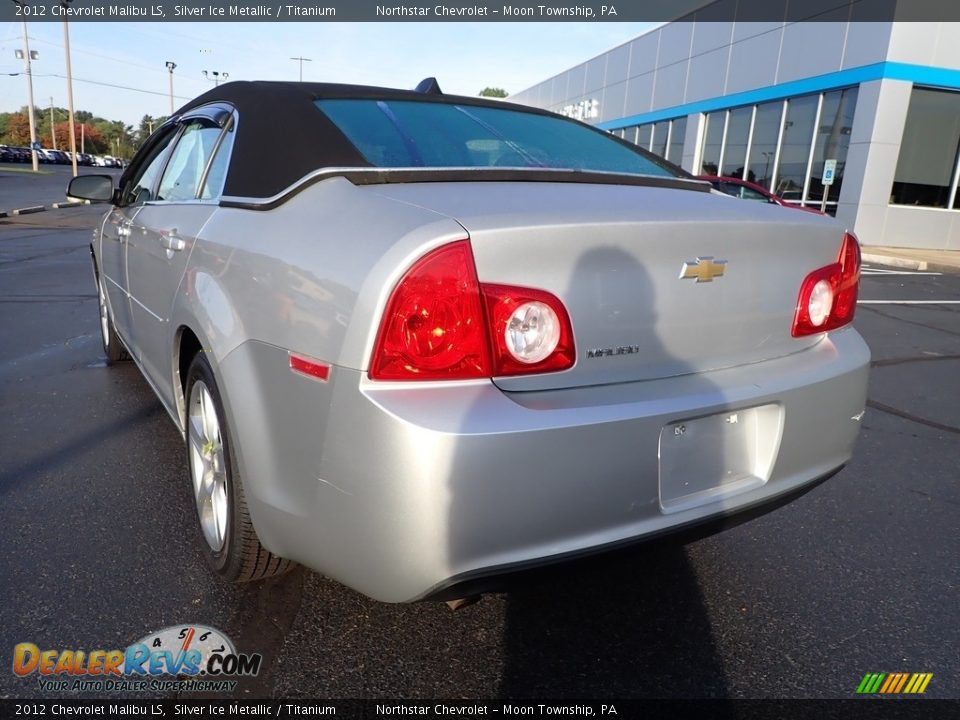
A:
(832, 141)
(712, 143)
(763, 149)
(660, 132)
(643, 136)
(735, 150)
(927, 165)
(677, 134)
(795, 148)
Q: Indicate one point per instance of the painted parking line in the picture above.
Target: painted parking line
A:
(908, 302)
(879, 271)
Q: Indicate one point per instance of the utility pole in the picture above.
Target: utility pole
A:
(27, 57)
(53, 132)
(171, 66)
(73, 127)
(302, 61)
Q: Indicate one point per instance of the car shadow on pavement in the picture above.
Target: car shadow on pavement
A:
(627, 624)
(624, 625)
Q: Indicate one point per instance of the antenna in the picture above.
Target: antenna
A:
(429, 86)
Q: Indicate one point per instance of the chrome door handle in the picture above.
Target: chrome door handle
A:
(170, 241)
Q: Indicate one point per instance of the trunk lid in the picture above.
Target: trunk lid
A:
(614, 256)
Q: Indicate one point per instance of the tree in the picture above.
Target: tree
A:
(147, 125)
(88, 137)
(18, 129)
(493, 92)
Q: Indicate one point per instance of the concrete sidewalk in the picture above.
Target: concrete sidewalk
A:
(936, 260)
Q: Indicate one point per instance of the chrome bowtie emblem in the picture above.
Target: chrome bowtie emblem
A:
(705, 269)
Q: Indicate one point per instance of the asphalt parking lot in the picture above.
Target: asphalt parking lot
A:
(96, 524)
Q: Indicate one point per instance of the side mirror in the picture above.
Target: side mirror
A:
(96, 188)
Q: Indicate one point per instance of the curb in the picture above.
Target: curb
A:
(42, 208)
(910, 264)
(895, 261)
(28, 210)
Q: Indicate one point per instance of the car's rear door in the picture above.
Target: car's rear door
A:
(165, 230)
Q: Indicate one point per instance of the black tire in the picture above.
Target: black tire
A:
(241, 558)
(113, 346)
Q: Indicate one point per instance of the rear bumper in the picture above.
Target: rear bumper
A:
(401, 492)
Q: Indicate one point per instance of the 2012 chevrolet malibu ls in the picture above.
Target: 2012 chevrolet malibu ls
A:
(415, 340)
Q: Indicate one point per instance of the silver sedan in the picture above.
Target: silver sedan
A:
(427, 341)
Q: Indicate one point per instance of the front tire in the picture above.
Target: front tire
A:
(228, 538)
(112, 346)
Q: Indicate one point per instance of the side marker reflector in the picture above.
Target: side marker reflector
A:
(310, 368)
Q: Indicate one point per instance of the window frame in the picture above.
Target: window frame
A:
(221, 114)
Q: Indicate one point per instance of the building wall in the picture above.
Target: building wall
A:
(688, 62)
(687, 69)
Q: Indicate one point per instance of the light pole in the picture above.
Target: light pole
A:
(302, 61)
(171, 66)
(27, 56)
(73, 129)
(216, 76)
(53, 130)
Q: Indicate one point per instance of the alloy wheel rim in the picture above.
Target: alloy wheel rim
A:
(104, 317)
(208, 467)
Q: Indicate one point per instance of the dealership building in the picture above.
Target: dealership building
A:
(776, 102)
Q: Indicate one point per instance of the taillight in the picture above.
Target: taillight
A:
(436, 326)
(828, 296)
(529, 331)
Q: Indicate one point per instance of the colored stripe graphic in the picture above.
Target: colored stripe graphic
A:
(870, 683)
(894, 683)
(903, 681)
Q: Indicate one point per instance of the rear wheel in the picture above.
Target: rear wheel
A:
(112, 346)
(230, 542)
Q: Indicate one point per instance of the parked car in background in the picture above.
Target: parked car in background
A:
(58, 157)
(430, 340)
(746, 190)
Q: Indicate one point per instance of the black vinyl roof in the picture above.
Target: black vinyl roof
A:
(282, 136)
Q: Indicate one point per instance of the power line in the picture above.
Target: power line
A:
(101, 55)
(112, 85)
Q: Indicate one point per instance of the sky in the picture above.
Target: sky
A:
(119, 68)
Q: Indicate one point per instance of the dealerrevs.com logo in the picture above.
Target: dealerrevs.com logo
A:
(177, 658)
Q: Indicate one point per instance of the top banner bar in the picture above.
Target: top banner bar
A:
(478, 11)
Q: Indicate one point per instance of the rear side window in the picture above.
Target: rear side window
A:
(407, 133)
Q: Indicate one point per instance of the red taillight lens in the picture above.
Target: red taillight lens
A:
(828, 296)
(529, 331)
(436, 327)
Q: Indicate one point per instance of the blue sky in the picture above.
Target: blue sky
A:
(465, 57)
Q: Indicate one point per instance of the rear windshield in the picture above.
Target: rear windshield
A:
(407, 133)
